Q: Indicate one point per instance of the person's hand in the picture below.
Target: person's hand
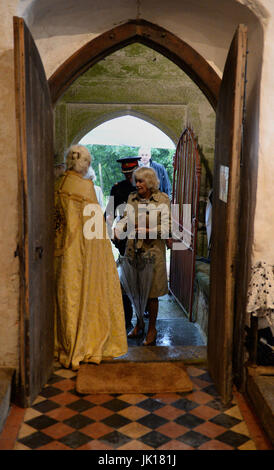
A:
(141, 230)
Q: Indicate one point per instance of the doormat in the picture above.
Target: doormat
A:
(133, 377)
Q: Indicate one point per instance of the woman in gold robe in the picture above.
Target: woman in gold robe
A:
(89, 314)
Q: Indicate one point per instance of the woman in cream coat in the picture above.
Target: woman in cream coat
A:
(152, 237)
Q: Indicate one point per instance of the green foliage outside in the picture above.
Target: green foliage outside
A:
(111, 173)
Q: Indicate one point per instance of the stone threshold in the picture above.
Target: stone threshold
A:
(188, 354)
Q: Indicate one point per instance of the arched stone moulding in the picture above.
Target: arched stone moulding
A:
(151, 35)
(105, 117)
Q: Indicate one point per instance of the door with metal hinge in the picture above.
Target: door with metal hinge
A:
(34, 120)
(226, 196)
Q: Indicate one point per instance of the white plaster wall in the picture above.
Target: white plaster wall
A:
(263, 249)
(62, 27)
(9, 286)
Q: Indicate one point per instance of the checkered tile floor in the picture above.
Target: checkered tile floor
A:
(62, 419)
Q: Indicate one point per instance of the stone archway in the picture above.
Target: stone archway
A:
(148, 34)
(78, 123)
(92, 124)
(157, 38)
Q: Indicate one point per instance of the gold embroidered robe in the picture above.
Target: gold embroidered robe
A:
(89, 314)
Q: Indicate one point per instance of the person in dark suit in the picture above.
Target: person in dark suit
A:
(119, 195)
(145, 161)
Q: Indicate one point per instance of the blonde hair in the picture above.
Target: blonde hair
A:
(149, 176)
(78, 159)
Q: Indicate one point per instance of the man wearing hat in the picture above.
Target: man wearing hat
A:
(120, 192)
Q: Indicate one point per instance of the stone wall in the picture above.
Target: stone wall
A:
(9, 281)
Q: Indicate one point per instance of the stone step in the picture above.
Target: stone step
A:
(190, 355)
(6, 376)
(260, 389)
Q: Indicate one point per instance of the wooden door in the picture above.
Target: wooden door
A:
(34, 118)
(226, 193)
(186, 188)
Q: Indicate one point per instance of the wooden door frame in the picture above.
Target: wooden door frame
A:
(226, 217)
(29, 76)
(149, 34)
(22, 245)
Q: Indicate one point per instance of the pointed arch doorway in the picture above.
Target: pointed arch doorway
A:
(149, 34)
(209, 83)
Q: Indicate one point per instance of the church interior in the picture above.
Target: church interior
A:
(186, 68)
